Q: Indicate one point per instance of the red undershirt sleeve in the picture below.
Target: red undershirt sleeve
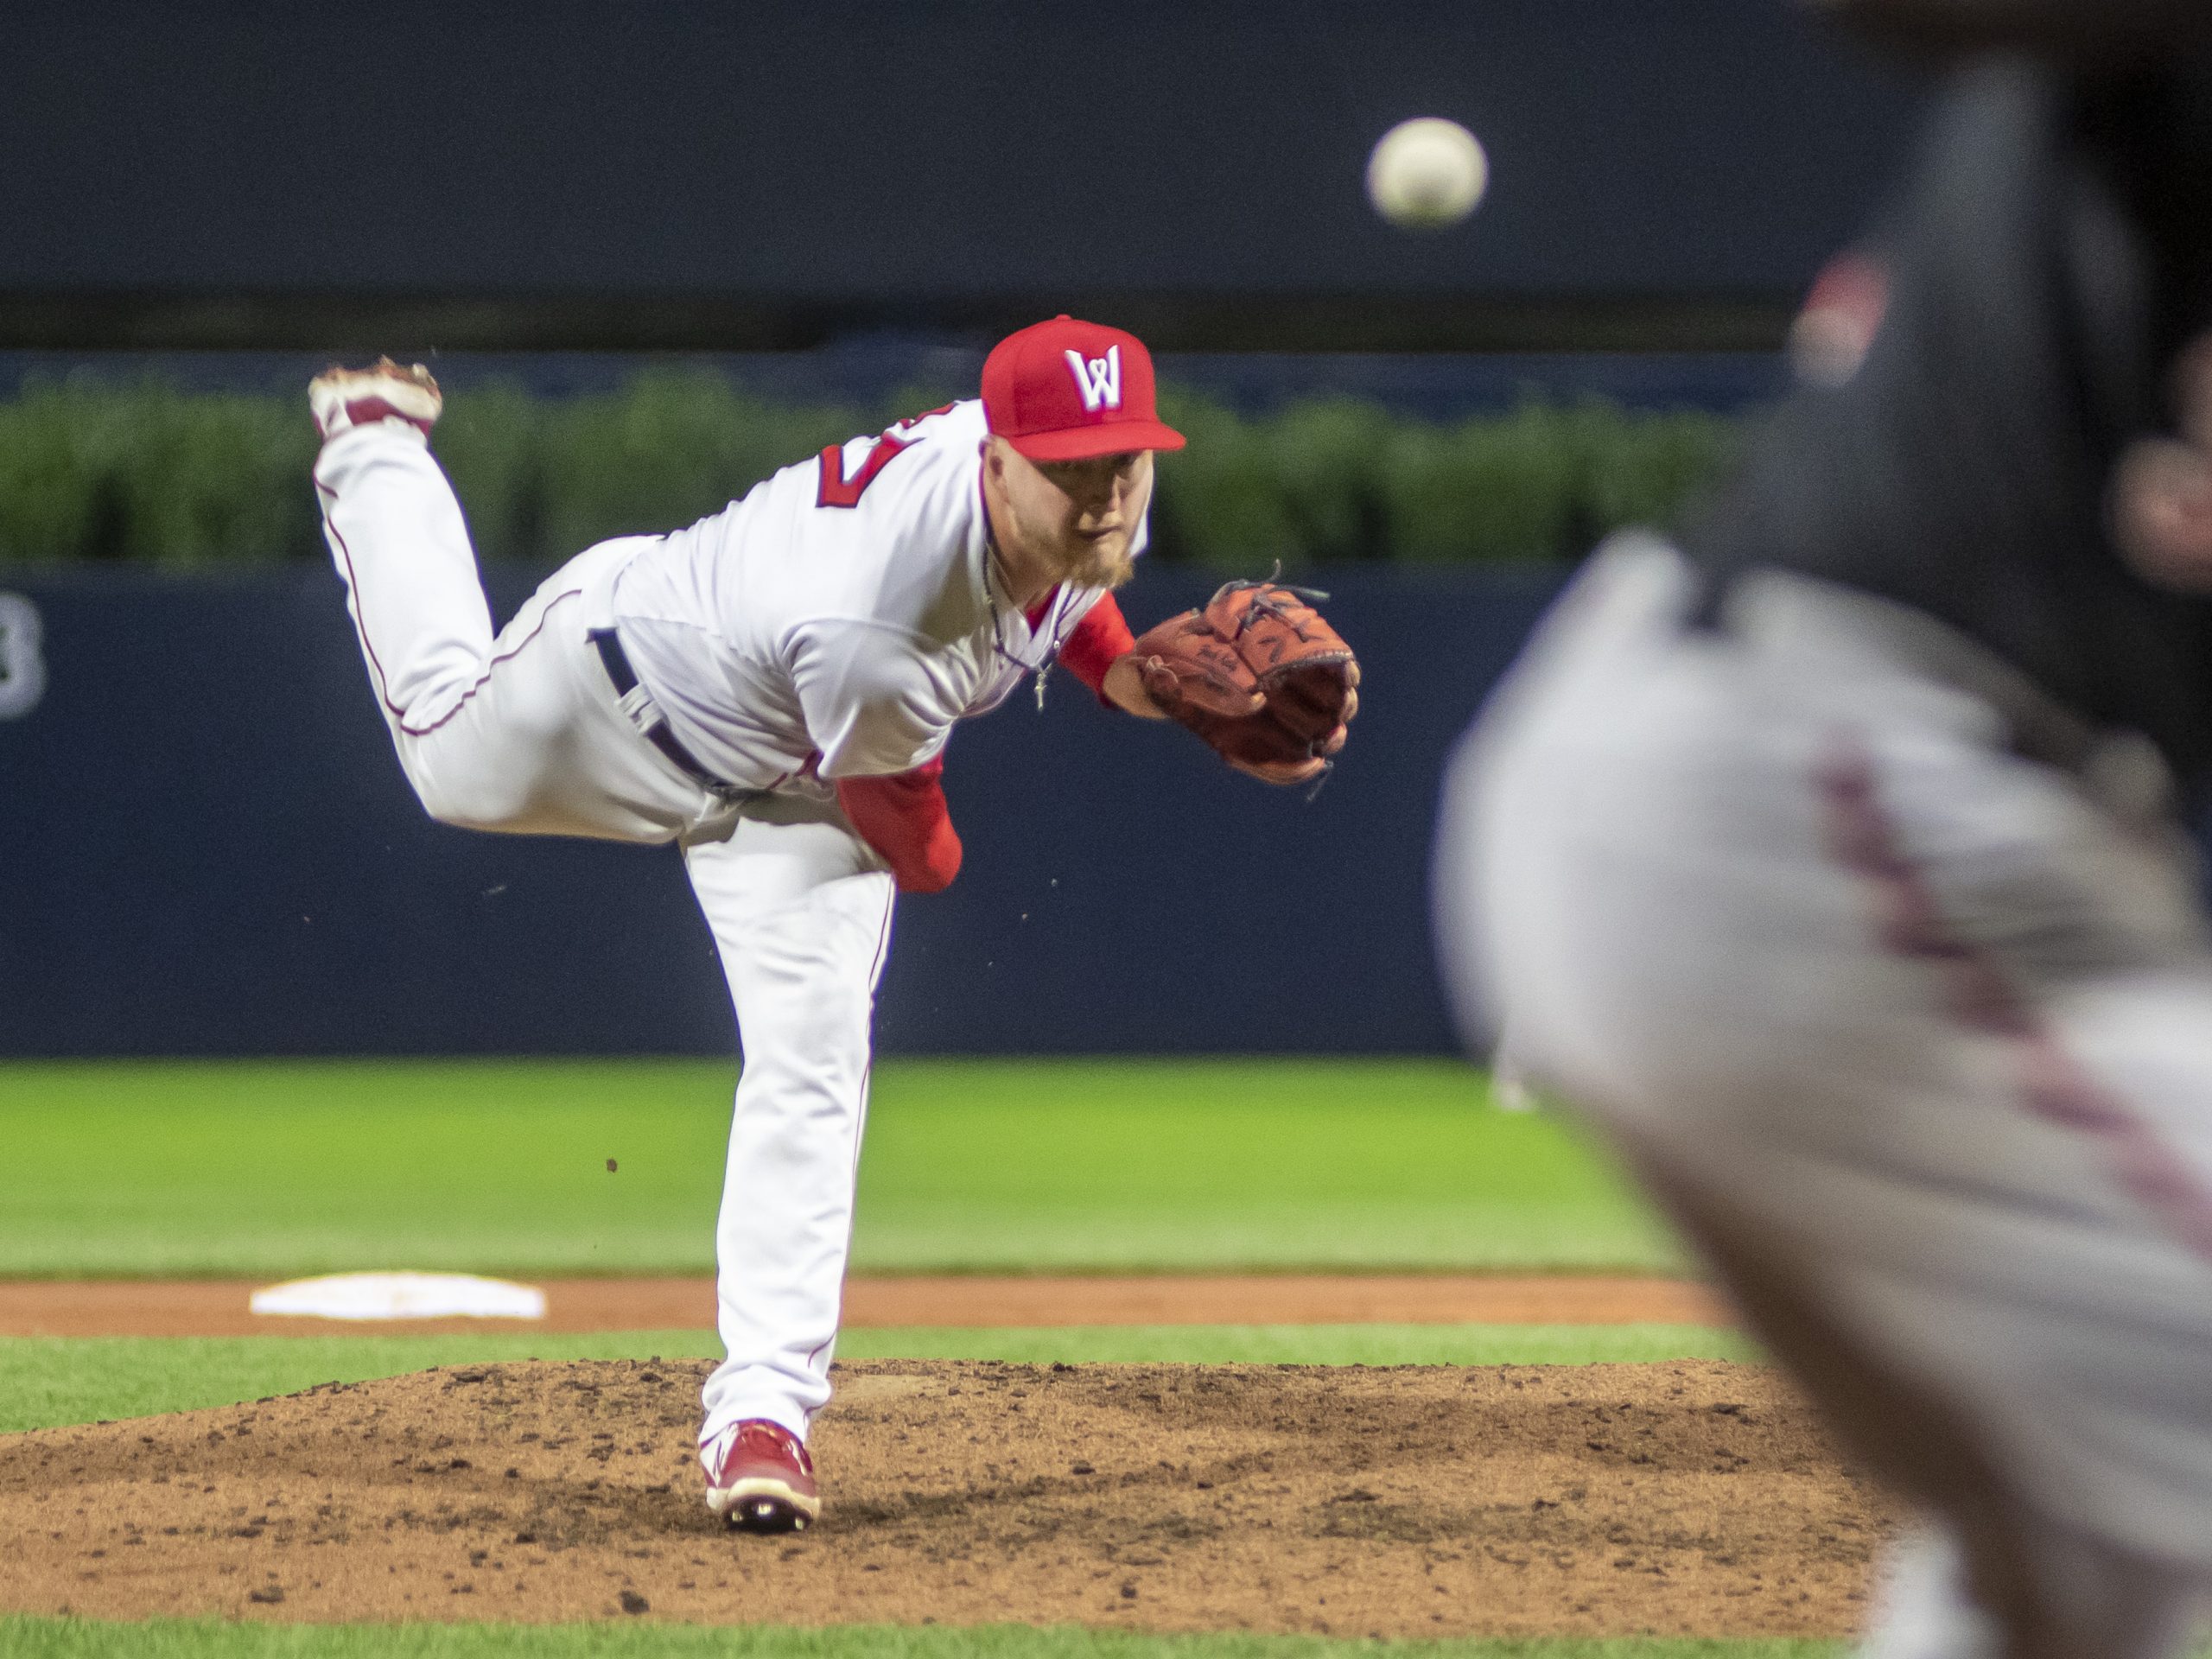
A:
(906, 819)
(1096, 643)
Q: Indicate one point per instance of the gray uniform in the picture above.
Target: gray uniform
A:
(1832, 864)
(1913, 1033)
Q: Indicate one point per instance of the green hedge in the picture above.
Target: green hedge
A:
(144, 472)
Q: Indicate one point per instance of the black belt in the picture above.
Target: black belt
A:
(616, 662)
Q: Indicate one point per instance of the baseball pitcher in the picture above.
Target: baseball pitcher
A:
(772, 689)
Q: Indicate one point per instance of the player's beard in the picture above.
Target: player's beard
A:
(1078, 560)
(1106, 562)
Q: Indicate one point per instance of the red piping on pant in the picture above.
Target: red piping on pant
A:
(2053, 1085)
(384, 685)
(484, 679)
(353, 587)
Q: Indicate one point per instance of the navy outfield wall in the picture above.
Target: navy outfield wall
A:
(207, 848)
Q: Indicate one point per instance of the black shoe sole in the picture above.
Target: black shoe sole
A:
(765, 1515)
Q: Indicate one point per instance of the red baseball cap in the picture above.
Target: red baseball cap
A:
(1068, 391)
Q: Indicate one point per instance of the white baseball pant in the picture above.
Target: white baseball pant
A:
(524, 732)
(1913, 1034)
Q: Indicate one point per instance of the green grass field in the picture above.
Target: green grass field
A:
(280, 1169)
(184, 1170)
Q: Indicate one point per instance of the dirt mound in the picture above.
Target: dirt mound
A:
(1689, 1498)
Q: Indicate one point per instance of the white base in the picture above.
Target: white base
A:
(401, 1296)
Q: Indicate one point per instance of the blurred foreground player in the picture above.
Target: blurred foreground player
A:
(1834, 859)
(772, 689)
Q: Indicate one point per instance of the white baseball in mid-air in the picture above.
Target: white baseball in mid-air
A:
(1427, 173)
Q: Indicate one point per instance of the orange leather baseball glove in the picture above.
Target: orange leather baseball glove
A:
(1259, 676)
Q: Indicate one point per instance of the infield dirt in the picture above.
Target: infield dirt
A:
(1693, 1498)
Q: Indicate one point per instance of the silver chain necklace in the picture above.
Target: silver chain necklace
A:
(1043, 670)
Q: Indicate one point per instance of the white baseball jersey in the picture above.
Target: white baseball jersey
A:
(847, 608)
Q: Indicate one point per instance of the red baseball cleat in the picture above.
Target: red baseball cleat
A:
(343, 398)
(759, 1479)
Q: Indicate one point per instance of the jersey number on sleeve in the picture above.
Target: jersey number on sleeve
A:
(838, 491)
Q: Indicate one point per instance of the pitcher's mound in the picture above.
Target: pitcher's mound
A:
(1691, 1499)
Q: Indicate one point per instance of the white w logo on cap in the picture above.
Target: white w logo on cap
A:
(1098, 379)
